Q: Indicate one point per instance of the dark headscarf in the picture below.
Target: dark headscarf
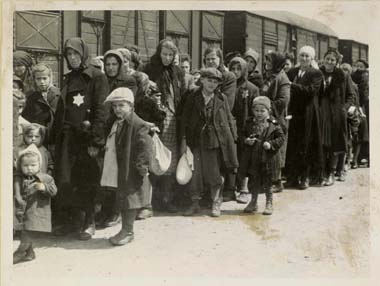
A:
(80, 46)
(278, 61)
(22, 58)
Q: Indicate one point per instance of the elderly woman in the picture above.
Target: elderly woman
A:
(304, 143)
(78, 135)
(277, 88)
(22, 67)
(171, 84)
(335, 102)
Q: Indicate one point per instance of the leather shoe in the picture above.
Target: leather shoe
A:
(330, 180)
(215, 210)
(121, 238)
(113, 220)
(242, 198)
(251, 207)
(30, 255)
(304, 184)
(193, 209)
(278, 187)
(144, 214)
(87, 233)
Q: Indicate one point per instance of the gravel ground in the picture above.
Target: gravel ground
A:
(316, 233)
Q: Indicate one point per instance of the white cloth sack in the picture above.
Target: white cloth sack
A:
(110, 170)
(185, 167)
(162, 157)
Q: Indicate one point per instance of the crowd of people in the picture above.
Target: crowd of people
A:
(82, 153)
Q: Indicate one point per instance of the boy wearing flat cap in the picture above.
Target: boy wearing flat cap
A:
(128, 150)
(209, 130)
(263, 137)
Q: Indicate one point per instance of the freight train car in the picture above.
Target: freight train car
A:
(42, 33)
(275, 30)
(353, 51)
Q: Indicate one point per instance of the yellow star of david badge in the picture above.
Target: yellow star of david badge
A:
(78, 99)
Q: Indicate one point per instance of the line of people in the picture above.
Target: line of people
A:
(247, 133)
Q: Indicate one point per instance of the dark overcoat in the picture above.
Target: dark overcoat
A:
(228, 87)
(245, 93)
(37, 110)
(277, 89)
(193, 119)
(336, 98)
(257, 161)
(76, 173)
(134, 150)
(37, 212)
(304, 134)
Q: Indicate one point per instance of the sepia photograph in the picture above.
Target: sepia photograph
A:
(189, 143)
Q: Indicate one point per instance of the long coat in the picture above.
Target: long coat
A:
(304, 135)
(257, 161)
(245, 93)
(337, 97)
(37, 212)
(277, 89)
(134, 150)
(74, 168)
(228, 87)
(37, 110)
(223, 122)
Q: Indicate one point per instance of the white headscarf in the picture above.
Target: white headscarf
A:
(311, 52)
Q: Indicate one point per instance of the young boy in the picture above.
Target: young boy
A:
(208, 128)
(32, 193)
(263, 137)
(41, 104)
(129, 148)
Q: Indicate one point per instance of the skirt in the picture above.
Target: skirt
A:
(169, 139)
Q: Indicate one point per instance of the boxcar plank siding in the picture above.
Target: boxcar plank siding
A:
(122, 28)
(283, 40)
(234, 32)
(254, 33)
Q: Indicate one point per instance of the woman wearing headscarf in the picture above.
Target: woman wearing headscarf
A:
(213, 58)
(171, 84)
(276, 87)
(22, 67)
(304, 149)
(78, 134)
(242, 110)
(252, 57)
(335, 102)
(116, 73)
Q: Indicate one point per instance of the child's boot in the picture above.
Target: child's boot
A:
(269, 204)
(252, 206)
(216, 201)
(20, 253)
(30, 255)
(125, 235)
(193, 209)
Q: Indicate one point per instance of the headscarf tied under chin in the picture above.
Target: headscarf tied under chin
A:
(278, 61)
(311, 52)
(80, 46)
(243, 65)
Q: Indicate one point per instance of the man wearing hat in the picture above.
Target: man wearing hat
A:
(210, 132)
(129, 148)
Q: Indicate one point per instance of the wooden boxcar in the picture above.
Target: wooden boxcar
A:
(275, 30)
(42, 33)
(353, 51)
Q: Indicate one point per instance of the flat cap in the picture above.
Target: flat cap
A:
(211, 73)
(121, 94)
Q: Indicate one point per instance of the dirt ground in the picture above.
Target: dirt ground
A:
(319, 232)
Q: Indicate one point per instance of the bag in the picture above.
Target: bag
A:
(162, 157)
(185, 168)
